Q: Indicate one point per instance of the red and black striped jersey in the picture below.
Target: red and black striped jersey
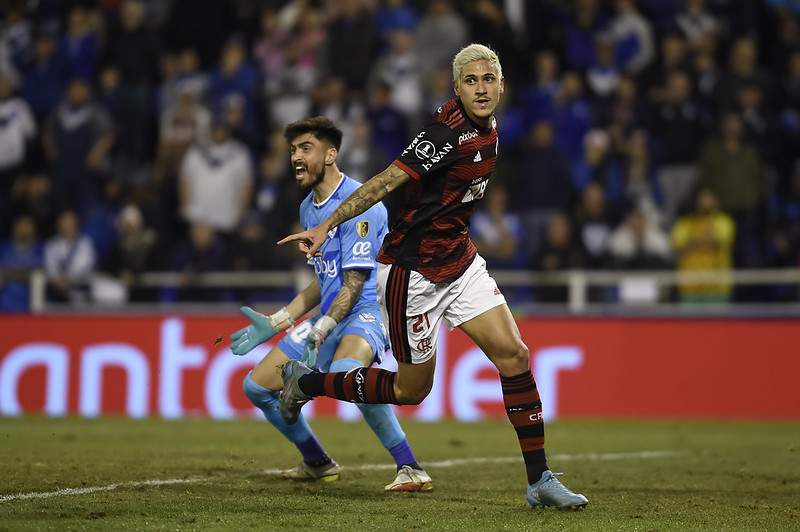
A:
(450, 162)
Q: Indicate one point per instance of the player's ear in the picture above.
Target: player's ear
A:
(455, 88)
(502, 85)
(330, 155)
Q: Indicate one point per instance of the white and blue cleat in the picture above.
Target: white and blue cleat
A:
(292, 398)
(549, 491)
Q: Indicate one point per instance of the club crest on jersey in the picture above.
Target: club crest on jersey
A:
(362, 228)
(332, 232)
(464, 137)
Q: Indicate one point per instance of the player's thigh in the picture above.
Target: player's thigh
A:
(414, 382)
(357, 347)
(496, 333)
(267, 372)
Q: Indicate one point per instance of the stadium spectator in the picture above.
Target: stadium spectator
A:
(351, 44)
(132, 253)
(288, 93)
(633, 37)
(497, 232)
(600, 164)
(593, 225)
(43, 74)
(742, 69)
(77, 139)
(276, 198)
(389, 125)
(640, 179)
(17, 136)
(20, 255)
(541, 184)
(398, 68)
(202, 25)
(269, 48)
(706, 75)
(184, 122)
(99, 222)
(674, 57)
(559, 251)
(603, 75)
(697, 24)
(348, 332)
(32, 195)
(79, 43)
(235, 78)
(216, 181)
(442, 32)
(784, 236)
(703, 240)
(69, 261)
(538, 98)
(759, 122)
(200, 251)
(731, 167)
(581, 26)
(428, 260)
(639, 244)
(394, 15)
(572, 115)
(334, 101)
(180, 73)
(679, 126)
(624, 112)
(488, 23)
(361, 156)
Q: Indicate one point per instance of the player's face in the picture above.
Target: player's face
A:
(479, 89)
(308, 160)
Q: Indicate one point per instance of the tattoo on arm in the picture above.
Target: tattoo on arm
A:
(368, 195)
(352, 285)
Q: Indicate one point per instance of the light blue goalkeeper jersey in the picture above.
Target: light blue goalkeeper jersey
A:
(351, 245)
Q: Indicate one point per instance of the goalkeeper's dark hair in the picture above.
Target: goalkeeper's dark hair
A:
(320, 127)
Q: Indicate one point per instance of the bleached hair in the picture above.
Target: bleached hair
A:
(475, 52)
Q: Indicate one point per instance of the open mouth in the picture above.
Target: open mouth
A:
(300, 171)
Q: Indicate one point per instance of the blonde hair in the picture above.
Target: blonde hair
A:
(475, 52)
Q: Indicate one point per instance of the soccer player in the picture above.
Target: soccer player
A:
(349, 332)
(429, 271)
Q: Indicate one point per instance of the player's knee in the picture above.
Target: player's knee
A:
(411, 396)
(513, 359)
(257, 394)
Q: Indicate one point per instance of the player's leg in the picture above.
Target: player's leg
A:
(358, 350)
(413, 332)
(262, 386)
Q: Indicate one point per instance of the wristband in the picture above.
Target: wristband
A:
(324, 326)
(281, 320)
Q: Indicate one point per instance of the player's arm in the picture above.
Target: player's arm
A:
(352, 285)
(356, 203)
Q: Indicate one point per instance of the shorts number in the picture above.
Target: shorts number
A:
(417, 327)
(299, 333)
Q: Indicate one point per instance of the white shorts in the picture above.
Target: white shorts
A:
(413, 307)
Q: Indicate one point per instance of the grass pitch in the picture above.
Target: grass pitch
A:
(113, 474)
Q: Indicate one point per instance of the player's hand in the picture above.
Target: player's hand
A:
(262, 329)
(314, 340)
(310, 240)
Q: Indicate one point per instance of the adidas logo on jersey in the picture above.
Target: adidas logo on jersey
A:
(477, 158)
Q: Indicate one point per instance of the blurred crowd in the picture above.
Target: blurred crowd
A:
(141, 135)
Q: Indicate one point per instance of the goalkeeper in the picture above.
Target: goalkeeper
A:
(349, 332)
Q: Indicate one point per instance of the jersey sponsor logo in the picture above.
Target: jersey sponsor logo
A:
(438, 157)
(413, 143)
(475, 192)
(425, 150)
(362, 248)
(477, 158)
(362, 228)
(464, 137)
(367, 317)
(325, 267)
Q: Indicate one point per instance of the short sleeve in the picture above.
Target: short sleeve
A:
(433, 148)
(360, 241)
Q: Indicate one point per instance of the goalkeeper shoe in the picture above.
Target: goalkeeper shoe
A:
(303, 471)
(410, 479)
(292, 399)
(550, 492)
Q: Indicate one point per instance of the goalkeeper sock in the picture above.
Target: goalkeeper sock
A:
(298, 433)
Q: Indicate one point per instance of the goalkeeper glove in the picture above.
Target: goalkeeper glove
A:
(314, 339)
(262, 329)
